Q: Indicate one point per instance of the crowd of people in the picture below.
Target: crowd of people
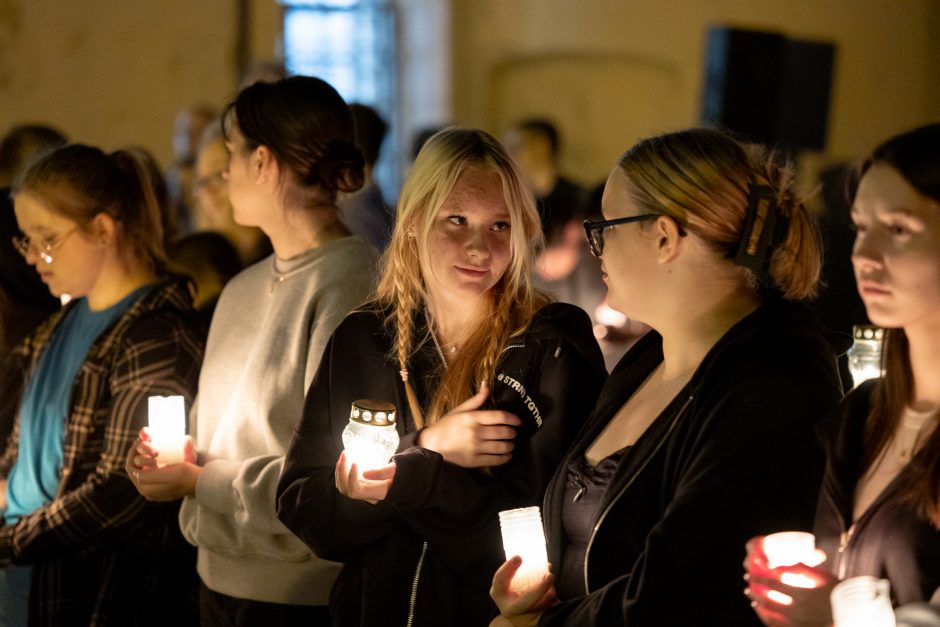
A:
(268, 282)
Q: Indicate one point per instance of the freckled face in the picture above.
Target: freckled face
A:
(469, 242)
(896, 255)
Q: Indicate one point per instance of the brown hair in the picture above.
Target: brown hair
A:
(701, 178)
(308, 128)
(914, 155)
(402, 289)
(79, 182)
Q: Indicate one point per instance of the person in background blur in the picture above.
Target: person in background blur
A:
(365, 211)
(27, 302)
(213, 207)
(188, 126)
(211, 261)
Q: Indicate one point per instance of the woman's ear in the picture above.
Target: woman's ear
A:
(669, 239)
(264, 166)
(103, 229)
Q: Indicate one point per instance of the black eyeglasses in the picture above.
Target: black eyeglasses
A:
(595, 229)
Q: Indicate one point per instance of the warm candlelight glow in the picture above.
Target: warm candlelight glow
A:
(523, 536)
(167, 425)
(865, 354)
(862, 602)
(789, 548)
(371, 438)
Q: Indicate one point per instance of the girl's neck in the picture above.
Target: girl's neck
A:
(115, 284)
(298, 230)
(690, 335)
(453, 323)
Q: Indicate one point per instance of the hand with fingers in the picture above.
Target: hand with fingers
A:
(161, 483)
(520, 609)
(370, 486)
(472, 437)
(780, 604)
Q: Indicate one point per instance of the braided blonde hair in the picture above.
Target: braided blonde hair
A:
(402, 289)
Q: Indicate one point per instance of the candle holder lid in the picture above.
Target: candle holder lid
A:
(867, 332)
(370, 412)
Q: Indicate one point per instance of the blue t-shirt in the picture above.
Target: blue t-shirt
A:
(34, 479)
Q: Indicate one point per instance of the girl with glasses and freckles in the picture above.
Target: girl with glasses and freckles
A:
(491, 382)
(879, 506)
(79, 545)
(704, 431)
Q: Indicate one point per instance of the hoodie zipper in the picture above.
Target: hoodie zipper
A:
(414, 586)
(620, 493)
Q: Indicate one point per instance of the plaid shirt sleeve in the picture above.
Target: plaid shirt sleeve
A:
(159, 354)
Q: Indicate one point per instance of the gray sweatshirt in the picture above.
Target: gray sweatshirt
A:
(269, 330)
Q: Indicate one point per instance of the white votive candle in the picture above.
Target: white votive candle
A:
(523, 536)
(166, 417)
(789, 548)
(862, 602)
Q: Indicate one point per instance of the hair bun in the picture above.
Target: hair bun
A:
(340, 169)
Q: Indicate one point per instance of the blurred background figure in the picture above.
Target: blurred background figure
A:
(28, 300)
(188, 127)
(564, 268)
(24, 300)
(365, 212)
(213, 208)
(210, 260)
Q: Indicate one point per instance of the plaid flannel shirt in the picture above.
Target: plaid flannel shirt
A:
(102, 554)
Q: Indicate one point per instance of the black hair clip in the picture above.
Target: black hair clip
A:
(759, 236)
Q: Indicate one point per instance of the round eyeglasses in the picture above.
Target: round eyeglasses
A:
(595, 229)
(43, 247)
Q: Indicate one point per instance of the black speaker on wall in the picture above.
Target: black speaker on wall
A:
(768, 87)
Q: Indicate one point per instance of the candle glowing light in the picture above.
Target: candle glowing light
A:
(371, 438)
(862, 602)
(166, 417)
(865, 353)
(523, 536)
(789, 548)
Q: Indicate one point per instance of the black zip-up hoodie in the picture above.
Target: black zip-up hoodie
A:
(734, 455)
(427, 553)
(890, 540)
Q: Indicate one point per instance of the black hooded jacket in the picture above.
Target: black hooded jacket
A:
(734, 455)
(890, 540)
(425, 556)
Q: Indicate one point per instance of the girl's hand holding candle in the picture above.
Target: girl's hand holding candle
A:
(785, 585)
(167, 421)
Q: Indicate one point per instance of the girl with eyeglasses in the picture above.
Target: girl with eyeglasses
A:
(79, 545)
(704, 431)
(879, 506)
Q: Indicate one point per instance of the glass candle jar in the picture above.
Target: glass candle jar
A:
(370, 439)
(865, 354)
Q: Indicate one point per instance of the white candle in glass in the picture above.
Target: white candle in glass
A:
(166, 417)
(862, 602)
(789, 548)
(523, 536)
